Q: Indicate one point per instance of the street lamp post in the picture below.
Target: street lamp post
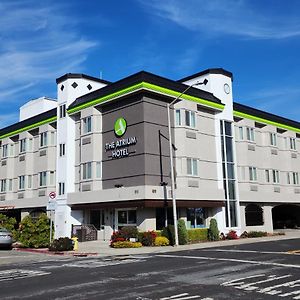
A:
(172, 160)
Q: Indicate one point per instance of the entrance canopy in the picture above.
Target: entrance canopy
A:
(6, 208)
(150, 203)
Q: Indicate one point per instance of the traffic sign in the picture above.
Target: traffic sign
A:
(52, 195)
(51, 205)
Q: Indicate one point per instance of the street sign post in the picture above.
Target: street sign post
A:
(51, 206)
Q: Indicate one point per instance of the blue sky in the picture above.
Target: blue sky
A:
(257, 40)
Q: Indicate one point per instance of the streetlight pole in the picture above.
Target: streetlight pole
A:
(172, 160)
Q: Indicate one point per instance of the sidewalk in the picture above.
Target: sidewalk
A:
(101, 248)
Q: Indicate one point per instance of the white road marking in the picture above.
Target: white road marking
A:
(232, 260)
(271, 290)
(92, 263)
(238, 280)
(251, 286)
(174, 296)
(183, 296)
(290, 294)
(250, 251)
(19, 274)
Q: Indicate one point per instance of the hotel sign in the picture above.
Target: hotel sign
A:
(120, 148)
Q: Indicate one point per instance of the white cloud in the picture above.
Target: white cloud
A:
(38, 42)
(281, 100)
(230, 17)
(7, 119)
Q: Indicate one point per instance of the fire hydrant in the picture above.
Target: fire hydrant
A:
(75, 243)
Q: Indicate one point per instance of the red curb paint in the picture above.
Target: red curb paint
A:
(46, 251)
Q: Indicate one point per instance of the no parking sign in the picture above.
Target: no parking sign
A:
(51, 202)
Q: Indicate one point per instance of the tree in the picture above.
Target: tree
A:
(213, 231)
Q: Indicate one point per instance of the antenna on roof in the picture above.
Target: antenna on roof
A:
(100, 74)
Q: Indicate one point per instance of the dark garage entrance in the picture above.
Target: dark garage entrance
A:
(286, 216)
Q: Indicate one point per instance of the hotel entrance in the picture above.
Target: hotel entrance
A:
(97, 218)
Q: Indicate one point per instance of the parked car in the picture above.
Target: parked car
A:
(6, 238)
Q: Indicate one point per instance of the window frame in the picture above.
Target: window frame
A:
(193, 166)
(273, 139)
(87, 171)
(267, 175)
(293, 144)
(62, 111)
(43, 179)
(295, 178)
(178, 121)
(3, 186)
(22, 147)
(43, 139)
(29, 181)
(190, 117)
(21, 182)
(275, 176)
(250, 134)
(61, 188)
(87, 125)
(5, 151)
(241, 133)
(62, 149)
(127, 217)
(253, 174)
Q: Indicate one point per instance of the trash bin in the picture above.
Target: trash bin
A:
(81, 234)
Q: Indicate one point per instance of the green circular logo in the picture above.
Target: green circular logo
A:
(120, 126)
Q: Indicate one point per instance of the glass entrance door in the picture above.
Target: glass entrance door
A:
(97, 219)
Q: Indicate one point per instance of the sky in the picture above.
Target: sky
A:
(257, 40)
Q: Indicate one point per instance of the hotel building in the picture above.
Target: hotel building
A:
(103, 148)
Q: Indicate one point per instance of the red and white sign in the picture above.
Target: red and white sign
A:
(52, 195)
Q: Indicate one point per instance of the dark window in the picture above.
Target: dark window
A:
(227, 128)
(196, 217)
(254, 215)
(62, 111)
(233, 221)
(229, 152)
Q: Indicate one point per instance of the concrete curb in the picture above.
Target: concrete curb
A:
(60, 253)
(102, 249)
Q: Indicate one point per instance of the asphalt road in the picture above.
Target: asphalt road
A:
(253, 271)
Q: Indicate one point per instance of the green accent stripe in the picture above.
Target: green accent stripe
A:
(184, 96)
(106, 98)
(52, 119)
(262, 120)
(148, 86)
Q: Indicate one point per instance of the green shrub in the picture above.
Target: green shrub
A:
(169, 233)
(128, 232)
(254, 234)
(197, 235)
(9, 224)
(213, 231)
(125, 234)
(161, 241)
(182, 232)
(35, 232)
(126, 244)
(61, 244)
(158, 232)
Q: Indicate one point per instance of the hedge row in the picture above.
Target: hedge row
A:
(197, 235)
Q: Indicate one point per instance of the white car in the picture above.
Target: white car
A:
(6, 238)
